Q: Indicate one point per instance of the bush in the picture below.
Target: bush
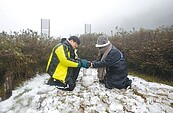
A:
(24, 53)
(147, 51)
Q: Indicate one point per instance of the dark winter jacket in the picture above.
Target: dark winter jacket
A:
(116, 69)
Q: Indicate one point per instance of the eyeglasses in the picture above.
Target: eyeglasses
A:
(100, 47)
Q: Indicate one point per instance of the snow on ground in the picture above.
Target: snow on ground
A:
(37, 97)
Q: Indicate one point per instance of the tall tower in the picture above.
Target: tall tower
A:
(45, 27)
(87, 28)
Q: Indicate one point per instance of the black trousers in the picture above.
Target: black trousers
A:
(71, 81)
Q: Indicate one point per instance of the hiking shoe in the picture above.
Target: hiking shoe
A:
(50, 82)
(129, 84)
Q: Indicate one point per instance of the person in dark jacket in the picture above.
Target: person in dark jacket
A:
(111, 64)
(64, 65)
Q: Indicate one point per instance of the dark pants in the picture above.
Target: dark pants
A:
(117, 81)
(70, 82)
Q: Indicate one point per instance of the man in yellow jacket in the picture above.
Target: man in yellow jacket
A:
(63, 65)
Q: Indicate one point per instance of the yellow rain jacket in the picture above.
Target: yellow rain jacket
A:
(61, 61)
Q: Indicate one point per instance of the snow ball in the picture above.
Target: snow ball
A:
(87, 81)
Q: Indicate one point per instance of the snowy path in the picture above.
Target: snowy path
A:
(36, 97)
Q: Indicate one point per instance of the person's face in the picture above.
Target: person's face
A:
(102, 49)
(74, 44)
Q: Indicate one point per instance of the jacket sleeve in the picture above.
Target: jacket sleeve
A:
(110, 60)
(63, 57)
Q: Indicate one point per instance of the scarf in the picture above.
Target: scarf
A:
(101, 71)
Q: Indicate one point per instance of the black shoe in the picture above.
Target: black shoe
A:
(129, 84)
(50, 82)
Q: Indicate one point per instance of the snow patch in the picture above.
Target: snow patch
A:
(89, 96)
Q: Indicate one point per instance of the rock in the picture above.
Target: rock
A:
(170, 96)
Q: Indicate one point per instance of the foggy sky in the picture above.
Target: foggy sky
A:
(67, 17)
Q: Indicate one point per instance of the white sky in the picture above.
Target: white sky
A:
(67, 17)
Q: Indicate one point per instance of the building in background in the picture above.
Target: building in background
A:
(45, 27)
(87, 28)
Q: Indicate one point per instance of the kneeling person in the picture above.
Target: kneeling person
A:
(112, 68)
(64, 66)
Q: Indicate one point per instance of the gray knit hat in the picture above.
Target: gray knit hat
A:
(102, 41)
